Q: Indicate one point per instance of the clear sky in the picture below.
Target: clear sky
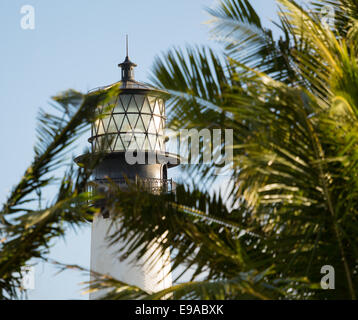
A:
(77, 44)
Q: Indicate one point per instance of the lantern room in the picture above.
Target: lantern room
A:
(136, 120)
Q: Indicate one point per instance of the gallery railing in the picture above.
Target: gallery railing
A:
(153, 185)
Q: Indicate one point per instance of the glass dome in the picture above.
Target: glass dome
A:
(135, 122)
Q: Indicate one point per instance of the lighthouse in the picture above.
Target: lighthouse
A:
(135, 122)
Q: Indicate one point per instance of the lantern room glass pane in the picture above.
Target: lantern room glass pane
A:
(125, 99)
(109, 107)
(157, 122)
(132, 107)
(132, 120)
(119, 145)
(133, 144)
(146, 108)
(126, 139)
(99, 127)
(146, 119)
(140, 126)
(118, 108)
(105, 123)
(112, 128)
(151, 127)
(156, 109)
(101, 143)
(151, 102)
(113, 142)
(139, 99)
(125, 127)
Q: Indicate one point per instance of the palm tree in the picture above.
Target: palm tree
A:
(292, 106)
(26, 229)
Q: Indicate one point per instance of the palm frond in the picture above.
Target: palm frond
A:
(27, 231)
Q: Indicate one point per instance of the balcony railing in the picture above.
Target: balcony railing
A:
(153, 185)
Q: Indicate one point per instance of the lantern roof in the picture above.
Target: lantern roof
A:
(130, 84)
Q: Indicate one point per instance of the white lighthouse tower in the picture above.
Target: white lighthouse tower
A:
(136, 122)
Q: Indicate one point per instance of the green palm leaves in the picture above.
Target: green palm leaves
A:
(26, 228)
(292, 105)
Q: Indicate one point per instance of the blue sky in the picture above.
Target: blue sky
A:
(78, 44)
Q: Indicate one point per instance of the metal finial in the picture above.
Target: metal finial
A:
(127, 66)
(127, 45)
